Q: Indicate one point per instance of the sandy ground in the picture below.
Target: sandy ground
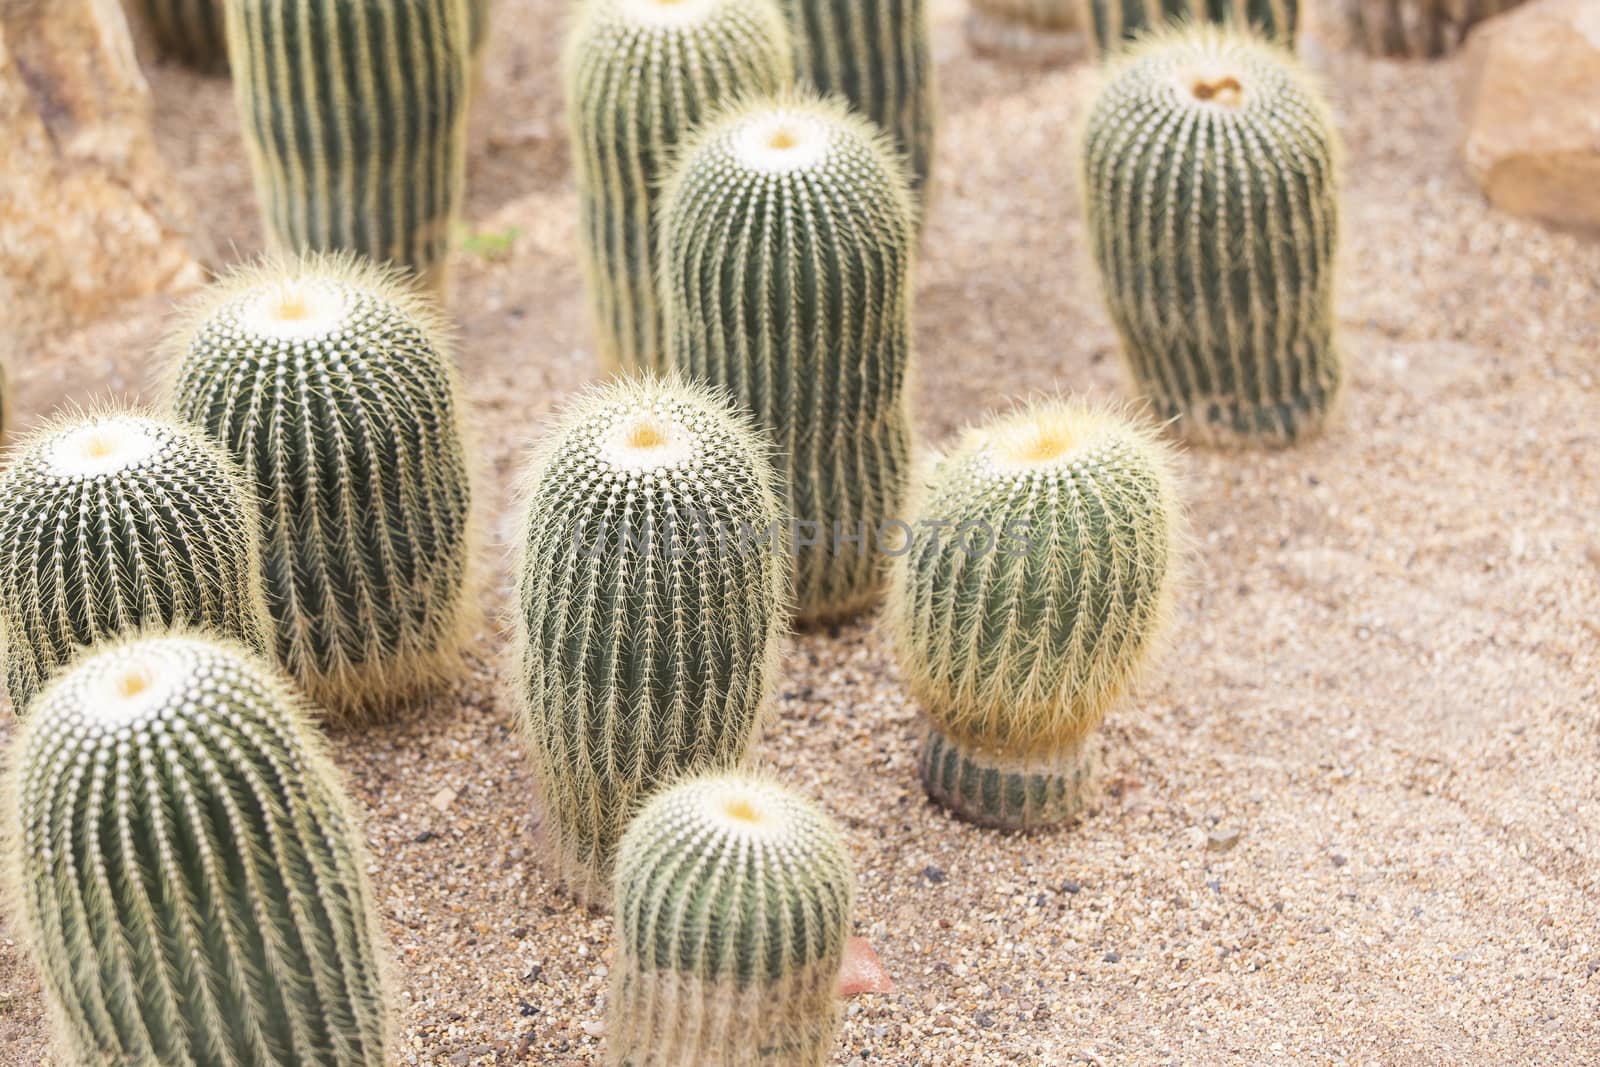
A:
(1351, 819)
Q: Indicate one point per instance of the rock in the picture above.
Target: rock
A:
(89, 214)
(861, 972)
(1532, 104)
(1223, 840)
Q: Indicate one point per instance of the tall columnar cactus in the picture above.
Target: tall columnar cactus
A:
(354, 117)
(733, 910)
(193, 31)
(1023, 617)
(1418, 29)
(880, 58)
(651, 587)
(331, 382)
(188, 870)
(1211, 186)
(787, 236)
(113, 522)
(1116, 22)
(1042, 30)
(640, 74)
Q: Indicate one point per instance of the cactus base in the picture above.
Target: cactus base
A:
(1219, 422)
(1007, 794)
(1018, 41)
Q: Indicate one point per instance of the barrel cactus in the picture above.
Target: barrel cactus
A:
(1211, 187)
(651, 587)
(191, 31)
(114, 522)
(787, 234)
(1418, 29)
(354, 119)
(1028, 610)
(878, 56)
(1044, 31)
(1116, 22)
(639, 75)
(188, 871)
(733, 911)
(331, 382)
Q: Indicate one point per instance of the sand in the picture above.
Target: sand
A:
(1349, 819)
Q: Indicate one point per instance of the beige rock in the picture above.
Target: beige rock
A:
(1532, 105)
(88, 212)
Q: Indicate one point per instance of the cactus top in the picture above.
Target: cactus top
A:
(105, 447)
(729, 878)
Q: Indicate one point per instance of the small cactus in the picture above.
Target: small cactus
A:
(650, 608)
(331, 382)
(1117, 22)
(191, 31)
(639, 75)
(354, 119)
(188, 871)
(113, 522)
(1045, 31)
(1211, 188)
(1028, 612)
(1418, 29)
(787, 237)
(733, 910)
(878, 56)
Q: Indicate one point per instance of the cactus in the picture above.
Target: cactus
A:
(330, 381)
(192, 31)
(478, 16)
(1116, 22)
(354, 118)
(650, 610)
(188, 872)
(1210, 184)
(113, 522)
(787, 241)
(639, 75)
(1418, 29)
(1045, 31)
(733, 910)
(1023, 618)
(879, 57)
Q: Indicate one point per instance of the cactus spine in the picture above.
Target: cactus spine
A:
(787, 241)
(114, 522)
(1116, 22)
(193, 31)
(639, 75)
(1045, 31)
(733, 908)
(879, 57)
(1030, 616)
(354, 117)
(188, 870)
(1418, 29)
(650, 614)
(1211, 191)
(330, 381)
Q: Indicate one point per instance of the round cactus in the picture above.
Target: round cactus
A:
(1044, 31)
(191, 31)
(787, 240)
(640, 74)
(651, 583)
(1418, 29)
(1117, 22)
(1210, 185)
(354, 118)
(1036, 583)
(733, 911)
(330, 381)
(114, 522)
(188, 871)
(879, 57)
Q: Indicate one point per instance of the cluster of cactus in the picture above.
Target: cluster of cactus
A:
(354, 118)
(1042, 30)
(188, 871)
(879, 57)
(733, 905)
(1418, 29)
(809, 323)
(115, 522)
(194, 32)
(1211, 188)
(1031, 615)
(1116, 22)
(330, 381)
(652, 589)
(640, 74)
